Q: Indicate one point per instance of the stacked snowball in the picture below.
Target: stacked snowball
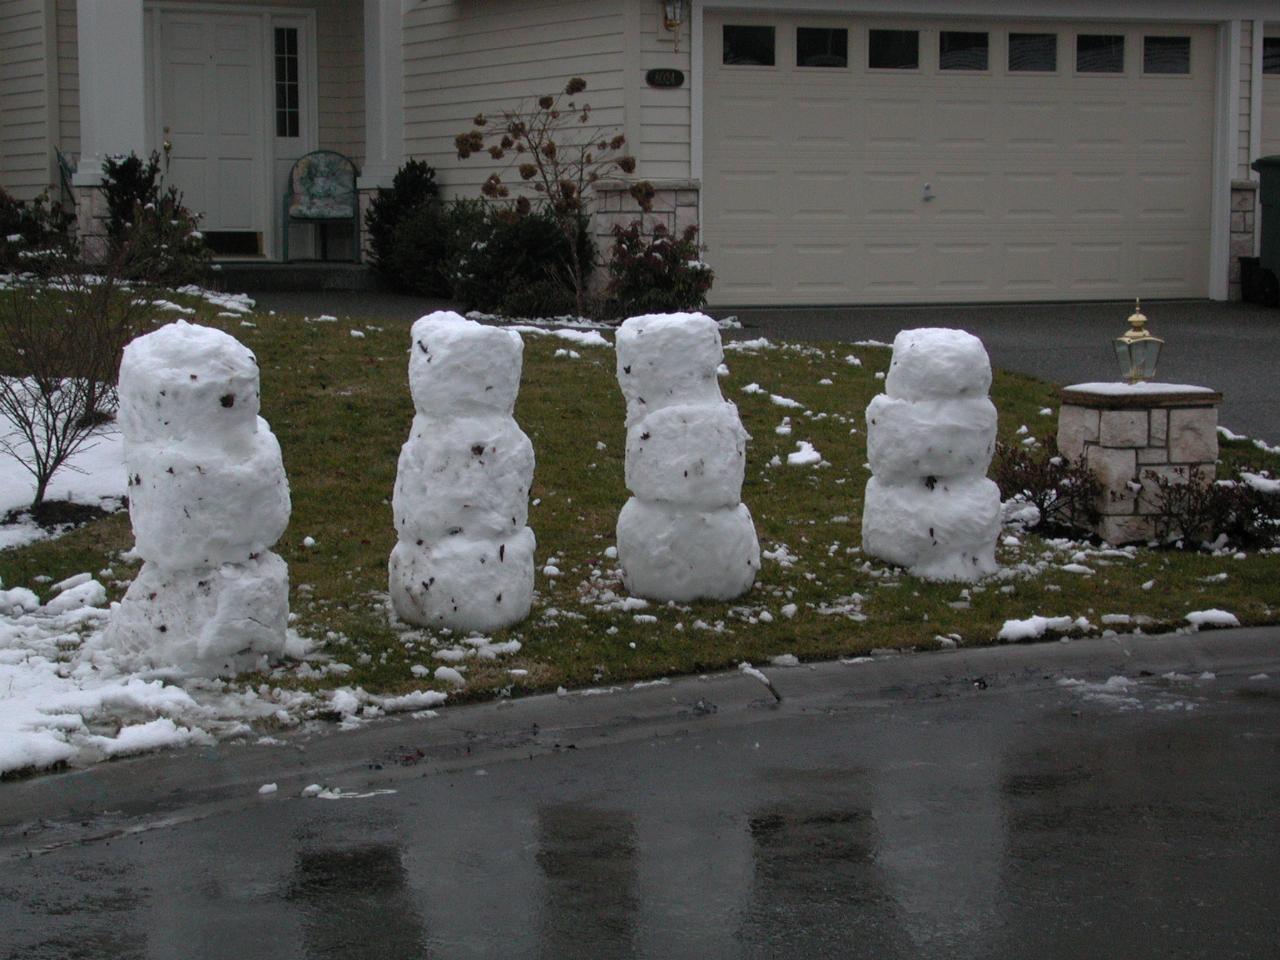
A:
(930, 437)
(207, 498)
(685, 534)
(464, 559)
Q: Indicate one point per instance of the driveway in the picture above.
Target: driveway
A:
(1232, 347)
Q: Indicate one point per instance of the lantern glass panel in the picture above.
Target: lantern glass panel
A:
(1145, 354)
(1125, 358)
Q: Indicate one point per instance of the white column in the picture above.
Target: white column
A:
(113, 83)
(1255, 128)
(1225, 156)
(383, 92)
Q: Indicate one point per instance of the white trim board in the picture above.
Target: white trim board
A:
(1187, 11)
(1225, 153)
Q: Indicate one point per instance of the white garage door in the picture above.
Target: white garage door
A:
(858, 161)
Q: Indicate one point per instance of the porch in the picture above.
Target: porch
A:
(231, 94)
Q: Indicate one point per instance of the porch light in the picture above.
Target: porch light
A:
(674, 13)
(1137, 350)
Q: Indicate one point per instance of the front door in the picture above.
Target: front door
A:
(209, 107)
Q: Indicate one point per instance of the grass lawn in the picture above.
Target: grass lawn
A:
(340, 406)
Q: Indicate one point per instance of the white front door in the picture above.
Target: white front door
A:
(209, 107)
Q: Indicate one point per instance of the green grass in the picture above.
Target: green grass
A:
(340, 406)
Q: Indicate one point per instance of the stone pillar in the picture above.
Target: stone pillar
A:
(675, 206)
(113, 97)
(383, 102)
(1130, 434)
(1243, 197)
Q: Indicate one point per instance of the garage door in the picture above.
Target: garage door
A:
(862, 161)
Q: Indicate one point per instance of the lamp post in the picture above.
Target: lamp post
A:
(673, 17)
(1137, 350)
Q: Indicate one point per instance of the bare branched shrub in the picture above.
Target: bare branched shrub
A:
(1064, 491)
(1192, 510)
(61, 338)
(558, 154)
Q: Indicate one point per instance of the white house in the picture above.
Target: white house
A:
(832, 151)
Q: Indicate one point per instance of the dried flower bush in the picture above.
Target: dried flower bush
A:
(552, 147)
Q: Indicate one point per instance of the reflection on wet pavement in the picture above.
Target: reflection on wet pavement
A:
(356, 903)
(1005, 826)
(588, 862)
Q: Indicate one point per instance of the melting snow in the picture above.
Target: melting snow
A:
(1212, 618)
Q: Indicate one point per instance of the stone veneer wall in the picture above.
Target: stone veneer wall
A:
(91, 222)
(675, 206)
(1129, 440)
(1243, 199)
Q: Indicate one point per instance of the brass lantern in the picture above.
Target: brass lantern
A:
(1137, 351)
(674, 13)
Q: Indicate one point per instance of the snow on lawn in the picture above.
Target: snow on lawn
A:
(747, 346)
(579, 323)
(233, 302)
(1261, 482)
(1035, 627)
(95, 476)
(64, 699)
(804, 455)
(586, 338)
(1212, 618)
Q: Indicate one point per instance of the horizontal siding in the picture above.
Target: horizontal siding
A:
(24, 129)
(68, 80)
(1244, 112)
(1271, 104)
(665, 115)
(340, 68)
(464, 57)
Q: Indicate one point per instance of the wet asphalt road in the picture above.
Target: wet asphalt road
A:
(1231, 347)
(954, 805)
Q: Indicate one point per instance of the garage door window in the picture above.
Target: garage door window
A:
(1271, 55)
(1033, 52)
(893, 50)
(1100, 53)
(822, 47)
(959, 50)
(748, 46)
(1168, 55)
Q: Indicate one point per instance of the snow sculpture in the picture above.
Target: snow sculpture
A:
(685, 534)
(930, 437)
(464, 559)
(208, 498)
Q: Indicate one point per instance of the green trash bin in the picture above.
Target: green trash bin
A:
(1266, 282)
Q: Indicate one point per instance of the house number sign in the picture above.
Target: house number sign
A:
(665, 77)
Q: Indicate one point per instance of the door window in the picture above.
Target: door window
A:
(287, 88)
